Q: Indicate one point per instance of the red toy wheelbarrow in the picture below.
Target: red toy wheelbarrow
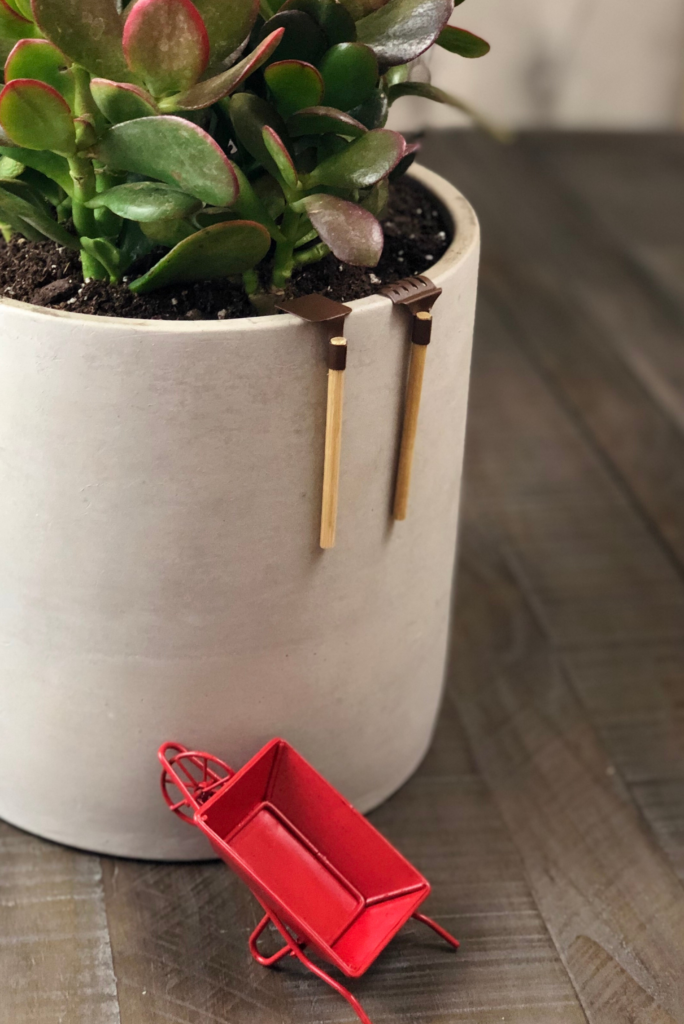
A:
(325, 877)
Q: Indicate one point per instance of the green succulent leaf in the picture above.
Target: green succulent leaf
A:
(350, 74)
(403, 29)
(36, 116)
(372, 113)
(10, 168)
(462, 42)
(40, 59)
(324, 121)
(280, 156)
(363, 162)
(89, 33)
(250, 114)
(250, 206)
(228, 23)
(336, 22)
(120, 101)
(22, 8)
(165, 43)
(204, 94)
(166, 232)
(231, 247)
(13, 27)
(172, 150)
(352, 233)
(54, 166)
(115, 262)
(146, 201)
(431, 92)
(293, 85)
(303, 39)
(17, 207)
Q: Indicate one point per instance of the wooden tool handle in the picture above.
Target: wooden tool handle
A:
(414, 389)
(333, 441)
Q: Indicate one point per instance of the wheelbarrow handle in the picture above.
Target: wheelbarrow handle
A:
(194, 773)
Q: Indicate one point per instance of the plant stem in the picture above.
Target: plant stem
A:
(83, 177)
(283, 264)
(312, 255)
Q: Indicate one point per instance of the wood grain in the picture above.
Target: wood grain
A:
(55, 956)
(333, 453)
(414, 388)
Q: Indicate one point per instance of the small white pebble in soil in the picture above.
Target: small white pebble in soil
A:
(400, 253)
(222, 314)
(174, 302)
(374, 279)
(419, 210)
(127, 278)
(441, 235)
(340, 266)
(71, 301)
(400, 259)
(412, 236)
(21, 241)
(429, 258)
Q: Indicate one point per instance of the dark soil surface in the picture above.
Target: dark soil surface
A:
(43, 273)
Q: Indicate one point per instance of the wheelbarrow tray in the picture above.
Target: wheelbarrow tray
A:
(311, 858)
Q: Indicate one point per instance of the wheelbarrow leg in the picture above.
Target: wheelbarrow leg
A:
(437, 928)
(294, 948)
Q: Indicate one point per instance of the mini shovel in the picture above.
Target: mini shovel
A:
(419, 295)
(317, 309)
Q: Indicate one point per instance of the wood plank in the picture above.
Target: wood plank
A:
(179, 933)
(55, 958)
(555, 561)
(528, 219)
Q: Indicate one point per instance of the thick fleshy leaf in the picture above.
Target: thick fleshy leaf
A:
(336, 22)
(250, 114)
(352, 233)
(462, 42)
(228, 24)
(16, 206)
(363, 162)
(40, 59)
(214, 89)
(293, 85)
(372, 113)
(36, 116)
(280, 156)
(218, 251)
(50, 164)
(146, 201)
(402, 29)
(119, 101)
(350, 73)
(167, 232)
(251, 206)
(324, 121)
(13, 27)
(431, 92)
(303, 38)
(166, 44)
(410, 153)
(10, 168)
(89, 33)
(173, 150)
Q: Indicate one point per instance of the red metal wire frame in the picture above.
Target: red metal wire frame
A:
(195, 791)
(294, 948)
(438, 928)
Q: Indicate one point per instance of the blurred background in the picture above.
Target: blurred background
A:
(564, 64)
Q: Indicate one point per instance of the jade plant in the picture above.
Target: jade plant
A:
(242, 137)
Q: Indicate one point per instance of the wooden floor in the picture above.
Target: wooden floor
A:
(549, 814)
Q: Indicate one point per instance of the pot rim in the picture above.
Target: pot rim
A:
(466, 237)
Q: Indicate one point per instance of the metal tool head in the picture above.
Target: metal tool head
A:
(418, 293)
(316, 309)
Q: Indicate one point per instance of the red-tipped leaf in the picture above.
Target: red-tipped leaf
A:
(36, 116)
(214, 89)
(352, 233)
(165, 43)
(120, 101)
(87, 32)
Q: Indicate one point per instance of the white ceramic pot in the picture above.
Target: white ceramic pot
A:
(160, 573)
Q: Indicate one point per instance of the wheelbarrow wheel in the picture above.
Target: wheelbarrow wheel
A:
(193, 779)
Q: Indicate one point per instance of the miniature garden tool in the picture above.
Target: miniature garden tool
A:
(318, 309)
(324, 876)
(419, 295)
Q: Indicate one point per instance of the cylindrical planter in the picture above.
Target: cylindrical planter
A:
(160, 572)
